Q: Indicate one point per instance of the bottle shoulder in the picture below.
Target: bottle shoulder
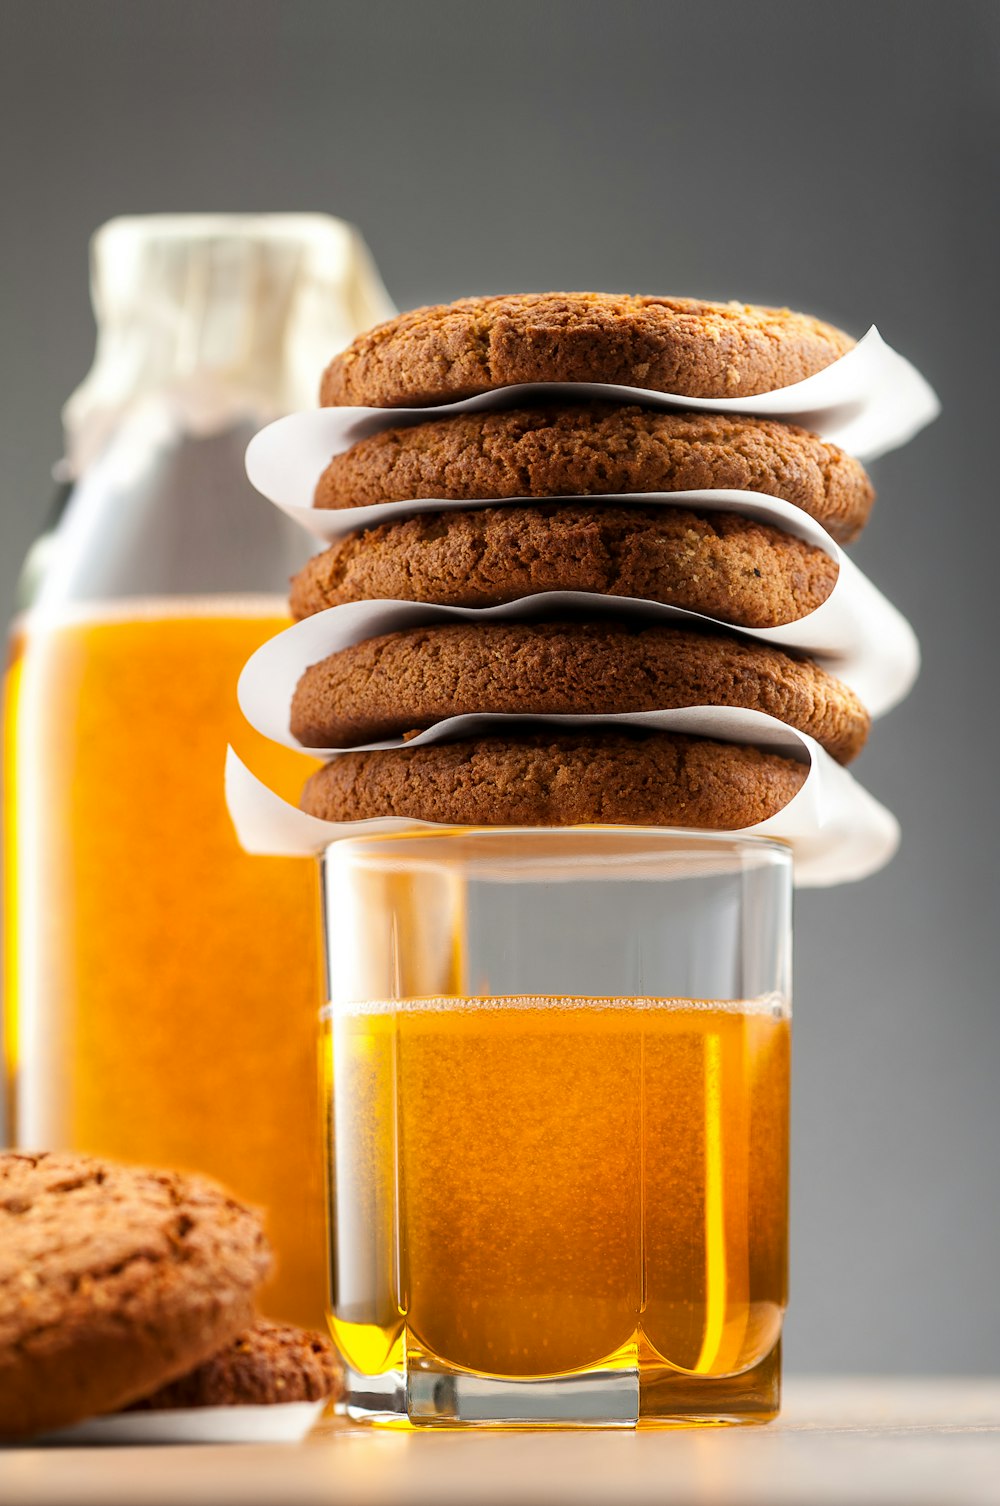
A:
(163, 513)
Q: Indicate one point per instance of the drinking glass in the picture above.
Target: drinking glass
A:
(556, 1088)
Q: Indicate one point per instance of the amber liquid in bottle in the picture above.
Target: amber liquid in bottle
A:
(169, 981)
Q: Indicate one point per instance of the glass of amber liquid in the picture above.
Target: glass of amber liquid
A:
(557, 1124)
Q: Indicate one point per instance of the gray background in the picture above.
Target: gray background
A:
(839, 158)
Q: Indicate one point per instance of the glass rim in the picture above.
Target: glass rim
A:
(553, 851)
(432, 831)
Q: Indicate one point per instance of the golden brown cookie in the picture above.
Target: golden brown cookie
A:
(387, 686)
(722, 564)
(541, 777)
(270, 1363)
(583, 449)
(113, 1280)
(678, 345)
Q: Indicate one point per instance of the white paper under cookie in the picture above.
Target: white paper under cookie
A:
(283, 1422)
(837, 830)
(857, 635)
(868, 402)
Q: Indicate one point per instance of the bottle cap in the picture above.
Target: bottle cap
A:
(222, 313)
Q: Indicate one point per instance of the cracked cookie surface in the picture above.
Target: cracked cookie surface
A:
(391, 685)
(721, 564)
(584, 449)
(268, 1364)
(113, 1280)
(541, 777)
(685, 346)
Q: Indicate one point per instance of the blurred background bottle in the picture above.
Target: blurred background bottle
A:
(161, 988)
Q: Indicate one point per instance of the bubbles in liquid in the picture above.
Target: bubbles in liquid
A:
(772, 1005)
(531, 1186)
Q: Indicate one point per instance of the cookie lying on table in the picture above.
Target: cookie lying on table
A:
(269, 1364)
(117, 1281)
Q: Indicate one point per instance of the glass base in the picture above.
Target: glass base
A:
(434, 1396)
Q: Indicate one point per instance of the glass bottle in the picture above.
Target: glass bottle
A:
(161, 986)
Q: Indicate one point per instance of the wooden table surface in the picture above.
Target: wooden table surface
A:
(904, 1442)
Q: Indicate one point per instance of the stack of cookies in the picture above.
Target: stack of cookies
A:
(542, 491)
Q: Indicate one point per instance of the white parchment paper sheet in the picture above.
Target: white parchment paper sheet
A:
(284, 1422)
(869, 401)
(837, 830)
(880, 667)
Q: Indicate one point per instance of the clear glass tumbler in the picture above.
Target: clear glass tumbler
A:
(557, 1124)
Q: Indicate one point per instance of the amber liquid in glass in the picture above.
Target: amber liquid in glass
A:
(161, 985)
(538, 1187)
